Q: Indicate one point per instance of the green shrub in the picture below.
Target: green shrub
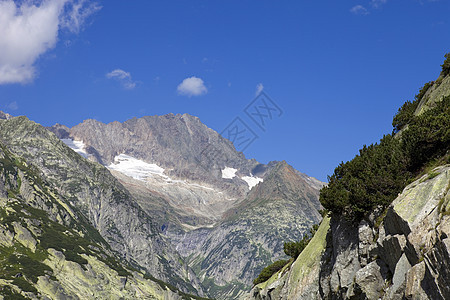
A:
(293, 249)
(446, 65)
(380, 171)
(268, 271)
(405, 113)
(372, 178)
(428, 135)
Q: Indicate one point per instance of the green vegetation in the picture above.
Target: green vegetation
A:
(57, 225)
(428, 135)
(380, 171)
(405, 113)
(268, 271)
(9, 294)
(446, 65)
(293, 249)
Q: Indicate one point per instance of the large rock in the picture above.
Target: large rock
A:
(369, 281)
(341, 260)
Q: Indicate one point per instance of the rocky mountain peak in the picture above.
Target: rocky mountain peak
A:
(202, 194)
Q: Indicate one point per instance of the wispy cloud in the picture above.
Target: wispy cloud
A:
(359, 10)
(13, 106)
(78, 12)
(28, 29)
(259, 88)
(123, 77)
(192, 86)
(377, 3)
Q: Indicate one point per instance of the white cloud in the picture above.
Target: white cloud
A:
(359, 10)
(192, 86)
(123, 77)
(29, 29)
(259, 88)
(13, 106)
(77, 14)
(377, 3)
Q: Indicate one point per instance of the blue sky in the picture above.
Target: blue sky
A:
(339, 70)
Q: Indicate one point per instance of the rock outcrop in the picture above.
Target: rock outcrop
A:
(401, 253)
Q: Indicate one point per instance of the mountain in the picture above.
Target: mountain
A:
(163, 204)
(227, 216)
(49, 249)
(373, 249)
(229, 255)
(99, 197)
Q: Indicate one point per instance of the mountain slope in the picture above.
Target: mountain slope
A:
(91, 189)
(49, 250)
(229, 256)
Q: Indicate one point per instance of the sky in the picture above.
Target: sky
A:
(329, 75)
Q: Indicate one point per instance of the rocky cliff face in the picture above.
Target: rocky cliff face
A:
(49, 250)
(404, 253)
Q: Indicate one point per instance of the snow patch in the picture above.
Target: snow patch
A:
(140, 170)
(77, 146)
(135, 168)
(252, 181)
(228, 173)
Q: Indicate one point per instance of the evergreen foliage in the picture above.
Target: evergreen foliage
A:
(446, 65)
(428, 135)
(293, 249)
(268, 271)
(380, 171)
(405, 113)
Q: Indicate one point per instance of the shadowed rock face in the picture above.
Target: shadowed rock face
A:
(225, 229)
